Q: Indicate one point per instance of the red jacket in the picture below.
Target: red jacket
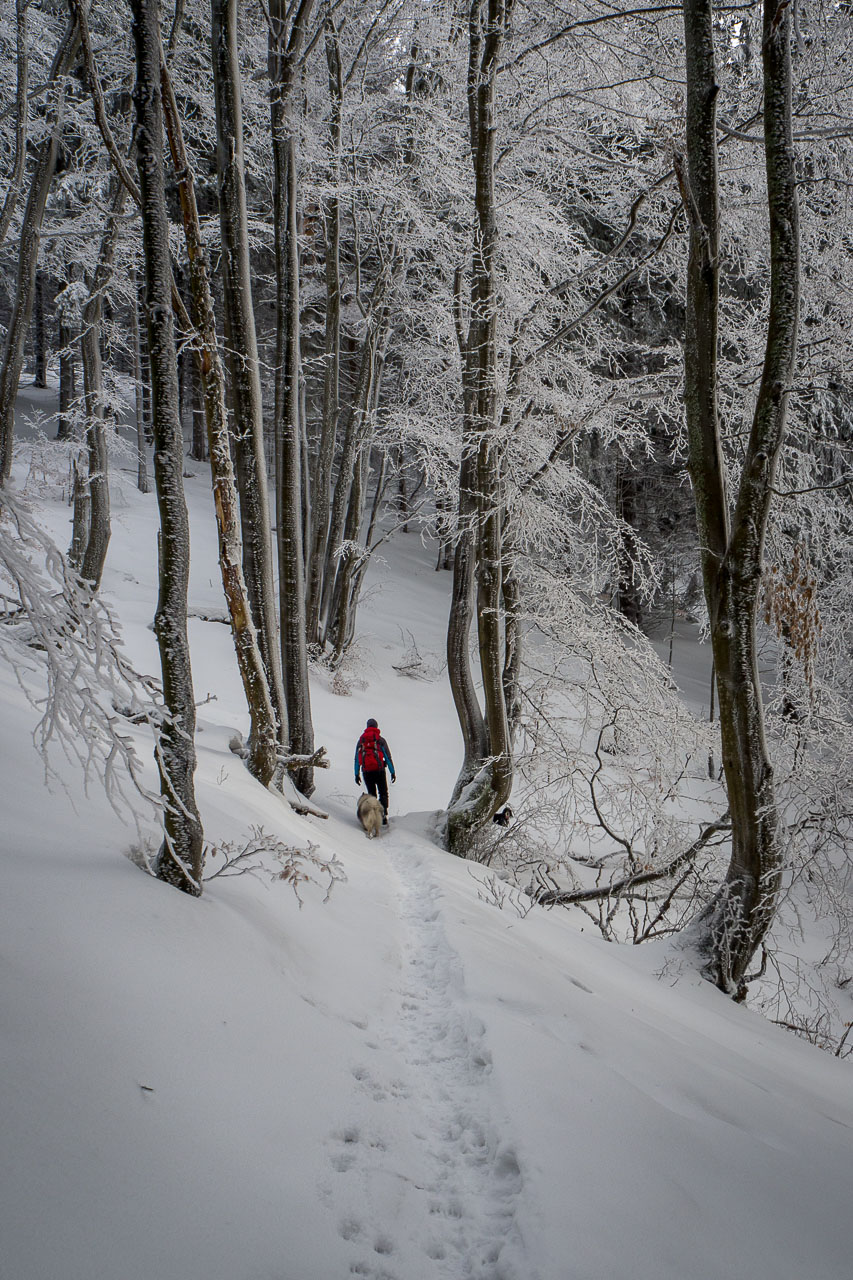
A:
(372, 754)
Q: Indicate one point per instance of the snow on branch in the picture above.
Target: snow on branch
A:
(63, 645)
(297, 867)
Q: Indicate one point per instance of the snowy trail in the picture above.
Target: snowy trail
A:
(427, 1149)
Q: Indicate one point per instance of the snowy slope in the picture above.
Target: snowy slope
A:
(404, 1082)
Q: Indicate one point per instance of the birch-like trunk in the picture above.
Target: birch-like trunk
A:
(28, 249)
(242, 347)
(181, 856)
(732, 551)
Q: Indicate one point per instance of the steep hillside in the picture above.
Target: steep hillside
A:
(404, 1082)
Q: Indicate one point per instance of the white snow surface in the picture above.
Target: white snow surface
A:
(403, 1083)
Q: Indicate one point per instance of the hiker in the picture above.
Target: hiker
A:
(371, 757)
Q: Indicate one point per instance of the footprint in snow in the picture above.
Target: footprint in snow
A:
(469, 1178)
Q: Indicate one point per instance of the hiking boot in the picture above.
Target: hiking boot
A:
(385, 820)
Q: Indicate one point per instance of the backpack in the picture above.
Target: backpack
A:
(369, 751)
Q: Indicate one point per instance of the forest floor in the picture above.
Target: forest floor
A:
(402, 1083)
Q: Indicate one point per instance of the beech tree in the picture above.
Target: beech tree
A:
(288, 35)
(732, 541)
(486, 778)
(181, 857)
(242, 348)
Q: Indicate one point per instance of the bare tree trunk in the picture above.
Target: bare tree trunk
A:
(67, 380)
(262, 739)
(356, 433)
(485, 783)
(13, 357)
(444, 557)
(80, 515)
(349, 561)
(628, 596)
(732, 553)
(198, 448)
(403, 504)
(471, 721)
(39, 342)
(512, 638)
(13, 191)
(181, 856)
(285, 48)
(321, 482)
(185, 389)
(352, 564)
(142, 482)
(242, 347)
(95, 556)
(289, 486)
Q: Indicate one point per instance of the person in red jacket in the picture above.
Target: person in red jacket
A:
(371, 758)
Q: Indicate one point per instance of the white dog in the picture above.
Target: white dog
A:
(369, 812)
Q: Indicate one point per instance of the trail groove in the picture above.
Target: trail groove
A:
(428, 1179)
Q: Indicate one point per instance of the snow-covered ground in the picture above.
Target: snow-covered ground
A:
(404, 1082)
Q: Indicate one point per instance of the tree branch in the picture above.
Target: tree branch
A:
(558, 897)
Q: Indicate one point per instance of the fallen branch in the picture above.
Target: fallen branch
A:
(316, 760)
(559, 897)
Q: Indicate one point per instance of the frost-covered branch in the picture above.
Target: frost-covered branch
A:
(64, 648)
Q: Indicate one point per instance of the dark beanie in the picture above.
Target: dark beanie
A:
(371, 724)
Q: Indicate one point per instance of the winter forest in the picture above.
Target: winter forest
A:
(482, 366)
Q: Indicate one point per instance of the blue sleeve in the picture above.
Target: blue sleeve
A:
(356, 765)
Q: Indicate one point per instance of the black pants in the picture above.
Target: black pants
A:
(376, 781)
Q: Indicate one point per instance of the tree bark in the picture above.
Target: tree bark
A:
(322, 477)
(473, 726)
(39, 341)
(356, 432)
(285, 48)
(353, 563)
(198, 448)
(242, 347)
(19, 323)
(142, 482)
(485, 783)
(262, 739)
(67, 380)
(732, 552)
(13, 191)
(181, 856)
(81, 502)
(92, 566)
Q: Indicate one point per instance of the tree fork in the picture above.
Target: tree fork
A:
(743, 910)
